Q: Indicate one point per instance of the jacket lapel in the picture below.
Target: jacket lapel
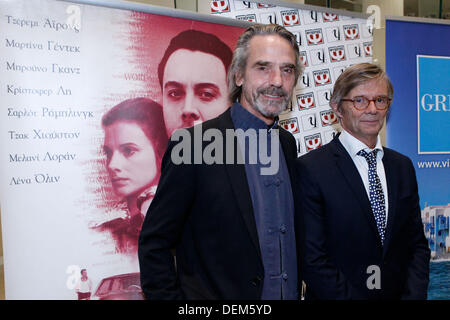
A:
(354, 181)
(239, 184)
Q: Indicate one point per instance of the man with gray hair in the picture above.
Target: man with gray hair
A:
(364, 237)
(231, 227)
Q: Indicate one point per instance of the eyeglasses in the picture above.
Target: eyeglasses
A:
(361, 102)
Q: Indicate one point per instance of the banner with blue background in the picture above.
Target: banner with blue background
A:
(418, 125)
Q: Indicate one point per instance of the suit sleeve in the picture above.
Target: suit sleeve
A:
(323, 279)
(162, 229)
(418, 267)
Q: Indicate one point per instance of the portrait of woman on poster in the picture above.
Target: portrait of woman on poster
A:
(134, 143)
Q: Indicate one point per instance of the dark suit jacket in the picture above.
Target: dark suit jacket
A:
(341, 239)
(205, 213)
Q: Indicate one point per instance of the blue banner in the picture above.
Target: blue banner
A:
(418, 125)
(433, 88)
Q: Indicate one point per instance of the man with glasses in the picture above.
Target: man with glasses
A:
(364, 237)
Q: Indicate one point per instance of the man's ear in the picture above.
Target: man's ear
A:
(239, 80)
(335, 107)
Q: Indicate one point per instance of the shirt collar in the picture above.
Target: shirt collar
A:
(242, 119)
(353, 145)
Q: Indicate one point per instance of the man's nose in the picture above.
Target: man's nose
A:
(275, 78)
(371, 108)
(190, 111)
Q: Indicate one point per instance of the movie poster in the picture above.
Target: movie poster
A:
(83, 129)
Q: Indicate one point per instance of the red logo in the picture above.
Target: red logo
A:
(351, 32)
(314, 36)
(219, 6)
(322, 77)
(337, 53)
(313, 142)
(330, 17)
(290, 18)
(328, 118)
(305, 101)
(290, 125)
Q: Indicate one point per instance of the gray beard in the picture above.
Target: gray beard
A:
(256, 105)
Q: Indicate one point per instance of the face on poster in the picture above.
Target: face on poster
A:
(86, 128)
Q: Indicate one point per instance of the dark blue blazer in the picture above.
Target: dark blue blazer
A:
(204, 214)
(340, 240)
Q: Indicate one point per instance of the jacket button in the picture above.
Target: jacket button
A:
(256, 281)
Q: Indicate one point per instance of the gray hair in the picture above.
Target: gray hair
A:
(354, 76)
(240, 55)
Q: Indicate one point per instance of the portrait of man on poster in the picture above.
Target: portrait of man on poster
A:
(193, 78)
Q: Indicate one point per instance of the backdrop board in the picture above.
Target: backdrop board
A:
(69, 197)
(418, 125)
(330, 41)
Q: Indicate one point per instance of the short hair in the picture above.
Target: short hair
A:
(356, 75)
(148, 115)
(81, 272)
(240, 55)
(195, 40)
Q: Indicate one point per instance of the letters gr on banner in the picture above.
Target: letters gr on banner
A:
(433, 104)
